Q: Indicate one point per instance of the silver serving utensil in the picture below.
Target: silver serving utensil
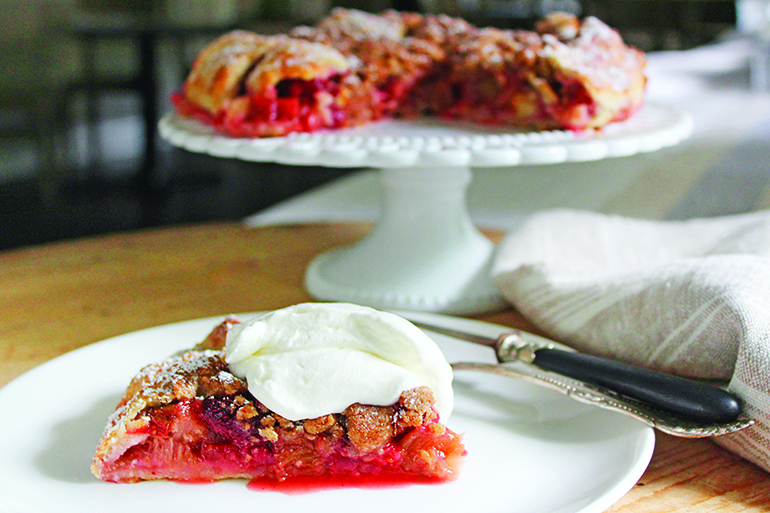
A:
(674, 405)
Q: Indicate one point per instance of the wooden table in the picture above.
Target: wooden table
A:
(59, 297)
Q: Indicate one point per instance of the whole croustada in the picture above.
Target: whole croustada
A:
(316, 391)
(354, 68)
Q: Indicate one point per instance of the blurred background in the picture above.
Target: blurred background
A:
(83, 83)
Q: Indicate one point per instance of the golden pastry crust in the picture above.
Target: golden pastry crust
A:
(597, 58)
(219, 69)
(294, 59)
(241, 61)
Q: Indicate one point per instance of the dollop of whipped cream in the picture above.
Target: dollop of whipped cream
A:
(313, 359)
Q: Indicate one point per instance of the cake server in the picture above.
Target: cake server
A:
(675, 405)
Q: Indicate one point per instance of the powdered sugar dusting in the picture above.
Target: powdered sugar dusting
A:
(360, 25)
(593, 28)
(228, 49)
(597, 53)
(181, 377)
(296, 58)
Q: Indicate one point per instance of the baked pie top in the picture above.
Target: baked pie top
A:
(361, 67)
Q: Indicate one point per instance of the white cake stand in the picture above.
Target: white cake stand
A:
(424, 253)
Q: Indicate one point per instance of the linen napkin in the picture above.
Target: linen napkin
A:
(686, 297)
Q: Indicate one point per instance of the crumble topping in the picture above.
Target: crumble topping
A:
(369, 427)
(359, 25)
(183, 377)
(492, 47)
(319, 424)
(417, 408)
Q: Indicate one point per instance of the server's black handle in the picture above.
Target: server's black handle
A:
(685, 398)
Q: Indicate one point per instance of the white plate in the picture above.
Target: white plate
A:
(431, 142)
(529, 449)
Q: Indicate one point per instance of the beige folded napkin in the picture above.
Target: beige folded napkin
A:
(686, 297)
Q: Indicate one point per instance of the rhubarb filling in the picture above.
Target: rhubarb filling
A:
(203, 440)
(293, 105)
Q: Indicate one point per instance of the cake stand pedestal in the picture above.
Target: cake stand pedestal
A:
(425, 253)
